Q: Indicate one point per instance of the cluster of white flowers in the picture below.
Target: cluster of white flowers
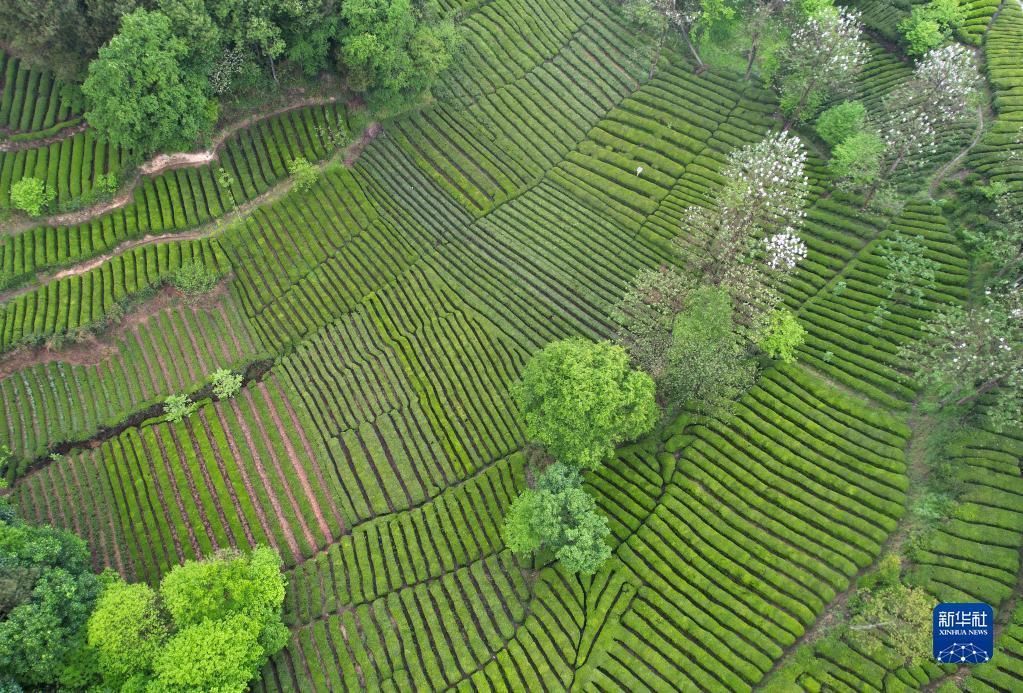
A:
(945, 82)
(767, 184)
(910, 135)
(226, 69)
(679, 14)
(830, 44)
(785, 250)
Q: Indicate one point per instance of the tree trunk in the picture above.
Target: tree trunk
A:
(273, 69)
(752, 55)
(692, 49)
(985, 388)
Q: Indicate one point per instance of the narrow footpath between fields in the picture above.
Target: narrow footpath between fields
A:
(165, 162)
(348, 157)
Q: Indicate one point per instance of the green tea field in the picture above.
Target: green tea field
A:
(381, 315)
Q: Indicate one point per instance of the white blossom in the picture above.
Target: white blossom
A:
(785, 250)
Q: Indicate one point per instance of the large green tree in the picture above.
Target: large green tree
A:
(559, 515)
(211, 626)
(223, 656)
(140, 92)
(580, 399)
(394, 49)
(46, 594)
(126, 632)
(708, 365)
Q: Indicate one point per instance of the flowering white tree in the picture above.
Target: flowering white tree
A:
(664, 20)
(824, 54)
(693, 328)
(940, 93)
(911, 273)
(968, 351)
(748, 238)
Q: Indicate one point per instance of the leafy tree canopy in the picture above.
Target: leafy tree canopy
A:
(211, 625)
(46, 594)
(780, 335)
(141, 94)
(126, 631)
(888, 615)
(580, 399)
(395, 49)
(840, 122)
(708, 364)
(220, 656)
(561, 516)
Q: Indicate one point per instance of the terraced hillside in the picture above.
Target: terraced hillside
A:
(380, 317)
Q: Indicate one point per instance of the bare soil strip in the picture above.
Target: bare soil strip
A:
(207, 230)
(250, 490)
(165, 460)
(167, 162)
(275, 502)
(193, 490)
(211, 488)
(281, 476)
(312, 458)
(242, 518)
(20, 145)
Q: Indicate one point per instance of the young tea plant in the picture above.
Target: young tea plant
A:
(226, 384)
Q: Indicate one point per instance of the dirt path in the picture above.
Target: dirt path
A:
(950, 167)
(834, 613)
(271, 494)
(20, 145)
(166, 162)
(207, 230)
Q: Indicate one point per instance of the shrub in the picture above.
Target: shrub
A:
(840, 122)
(194, 278)
(226, 182)
(226, 384)
(781, 335)
(105, 184)
(857, 160)
(31, 195)
(928, 26)
(304, 173)
(177, 407)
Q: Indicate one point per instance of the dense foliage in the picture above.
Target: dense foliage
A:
(153, 72)
(558, 515)
(579, 399)
(211, 625)
(47, 591)
(32, 196)
(141, 95)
